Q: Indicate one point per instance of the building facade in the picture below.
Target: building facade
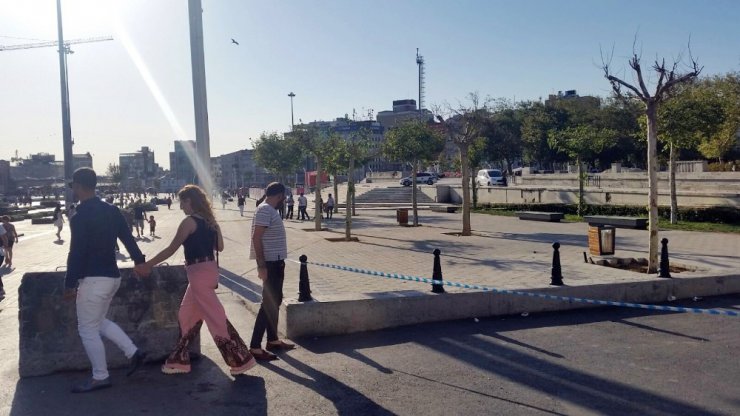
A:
(181, 166)
(138, 169)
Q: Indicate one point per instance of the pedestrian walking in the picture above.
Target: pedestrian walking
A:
(93, 277)
(58, 219)
(329, 207)
(223, 200)
(269, 249)
(240, 201)
(12, 238)
(289, 202)
(302, 205)
(200, 236)
(139, 215)
(169, 202)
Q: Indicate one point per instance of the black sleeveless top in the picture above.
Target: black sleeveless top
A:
(201, 243)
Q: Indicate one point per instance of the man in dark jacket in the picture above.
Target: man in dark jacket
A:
(93, 277)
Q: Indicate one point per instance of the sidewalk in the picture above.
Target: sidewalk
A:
(505, 252)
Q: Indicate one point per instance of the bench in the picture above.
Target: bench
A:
(618, 222)
(540, 216)
(450, 209)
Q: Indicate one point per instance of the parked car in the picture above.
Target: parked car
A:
(490, 177)
(421, 177)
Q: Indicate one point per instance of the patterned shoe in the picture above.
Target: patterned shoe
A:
(175, 368)
(235, 371)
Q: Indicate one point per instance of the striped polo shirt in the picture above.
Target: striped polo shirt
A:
(274, 244)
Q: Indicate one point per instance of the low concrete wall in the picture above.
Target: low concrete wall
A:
(145, 309)
(592, 196)
(697, 181)
(387, 310)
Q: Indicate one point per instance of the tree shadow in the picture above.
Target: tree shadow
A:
(206, 390)
(662, 331)
(346, 399)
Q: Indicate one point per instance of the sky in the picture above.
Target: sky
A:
(337, 56)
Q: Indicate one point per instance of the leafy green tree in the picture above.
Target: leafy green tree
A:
(413, 142)
(318, 143)
(279, 155)
(692, 113)
(580, 142)
(725, 88)
(503, 133)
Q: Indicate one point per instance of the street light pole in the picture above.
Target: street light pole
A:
(292, 124)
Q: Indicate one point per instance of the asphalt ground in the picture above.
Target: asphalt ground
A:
(601, 361)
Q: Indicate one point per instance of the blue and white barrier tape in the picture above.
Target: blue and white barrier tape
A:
(528, 294)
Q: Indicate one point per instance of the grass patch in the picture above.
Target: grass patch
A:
(663, 224)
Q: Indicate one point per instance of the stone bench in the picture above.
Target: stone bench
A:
(618, 222)
(145, 309)
(540, 216)
(450, 209)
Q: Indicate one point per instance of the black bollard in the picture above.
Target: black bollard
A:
(665, 269)
(557, 274)
(437, 273)
(304, 286)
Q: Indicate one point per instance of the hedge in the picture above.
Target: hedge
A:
(724, 215)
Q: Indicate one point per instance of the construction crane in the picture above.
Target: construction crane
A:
(54, 43)
(63, 50)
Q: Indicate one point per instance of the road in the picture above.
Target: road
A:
(604, 361)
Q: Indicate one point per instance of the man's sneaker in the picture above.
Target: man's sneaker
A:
(92, 385)
(235, 371)
(135, 362)
(175, 368)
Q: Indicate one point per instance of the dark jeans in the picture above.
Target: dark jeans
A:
(272, 297)
(289, 214)
(302, 214)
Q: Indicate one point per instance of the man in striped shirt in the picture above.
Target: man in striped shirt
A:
(269, 249)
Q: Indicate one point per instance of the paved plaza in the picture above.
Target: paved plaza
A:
(588, 362)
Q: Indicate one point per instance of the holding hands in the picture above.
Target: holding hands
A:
(143, 269)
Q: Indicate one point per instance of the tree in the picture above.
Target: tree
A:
(464, 126)
(318, 143)
(279, 155)
(692, 113)
(413, 141)
(503, 133)
(115, 176)
(668, 78)
(357, 149)
(578, 143)
(726, 89)
(336, 162)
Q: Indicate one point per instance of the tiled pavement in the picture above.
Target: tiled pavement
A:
(504, 252)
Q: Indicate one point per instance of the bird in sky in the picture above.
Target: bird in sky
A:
(234, 42)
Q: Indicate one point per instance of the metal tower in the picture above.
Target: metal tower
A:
(420, 63)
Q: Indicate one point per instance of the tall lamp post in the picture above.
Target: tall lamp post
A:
(292, 124)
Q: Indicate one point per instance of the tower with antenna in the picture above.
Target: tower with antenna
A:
(420, 64)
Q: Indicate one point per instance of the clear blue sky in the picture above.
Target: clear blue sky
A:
(336, 56)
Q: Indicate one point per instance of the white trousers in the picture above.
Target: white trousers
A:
(94, 296)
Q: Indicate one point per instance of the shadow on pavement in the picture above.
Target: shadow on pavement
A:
(240, 285)
(475, 344)
(207, 390)
(346, 399)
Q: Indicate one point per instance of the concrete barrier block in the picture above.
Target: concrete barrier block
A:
(145, 309)
(340, 315)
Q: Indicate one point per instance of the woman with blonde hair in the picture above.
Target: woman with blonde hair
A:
(200, 236)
